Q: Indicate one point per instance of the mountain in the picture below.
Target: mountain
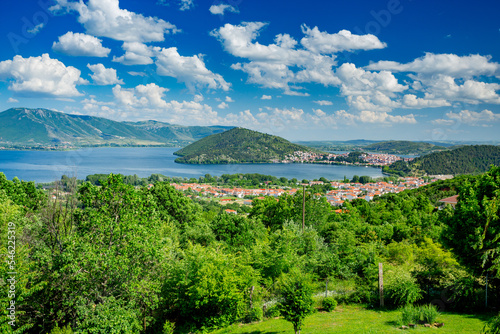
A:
(43, 128)
(403, 147)
(462, 160)
(238, 145)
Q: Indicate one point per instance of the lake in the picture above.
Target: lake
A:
(48, 166)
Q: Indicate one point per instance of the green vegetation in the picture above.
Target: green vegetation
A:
(354, 319)
(463, 160)
(238, 145)
(403, 147)
(42, 128)
(110, 257)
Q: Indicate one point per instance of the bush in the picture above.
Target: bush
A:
(428, 313)
(64, 330)
(493, 326)
(409, 315)
(412, 314)
(254, 314)
(329, 304)
(168, 327)
(402, 289)
(273, 311)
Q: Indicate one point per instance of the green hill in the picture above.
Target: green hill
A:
(238, 145)
(403, 147)
(43, 128)
(462, 160)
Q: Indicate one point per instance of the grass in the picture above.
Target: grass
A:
(357, 319)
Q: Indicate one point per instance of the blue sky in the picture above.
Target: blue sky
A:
(315, 70)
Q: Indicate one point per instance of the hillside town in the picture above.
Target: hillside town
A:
(340, 193)
(369, 159)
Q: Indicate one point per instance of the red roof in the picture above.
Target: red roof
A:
(450, 200)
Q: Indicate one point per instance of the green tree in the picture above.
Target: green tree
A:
(297, 302)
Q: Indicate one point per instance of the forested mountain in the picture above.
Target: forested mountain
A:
(238, 145)
(403, 147)
(462, 160)
(40, 128)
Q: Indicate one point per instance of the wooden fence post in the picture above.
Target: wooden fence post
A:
(381, 284)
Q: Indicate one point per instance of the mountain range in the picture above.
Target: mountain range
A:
(43, 128)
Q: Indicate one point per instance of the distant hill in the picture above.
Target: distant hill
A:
(403, 147)
(43, 128)
(238, 145)
(462, 160)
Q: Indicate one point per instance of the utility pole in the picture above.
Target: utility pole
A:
(303, 207)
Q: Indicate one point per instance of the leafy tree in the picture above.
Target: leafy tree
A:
(473, 230)
(297, 302)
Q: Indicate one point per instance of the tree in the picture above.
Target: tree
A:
(296, 293)
(473, 229)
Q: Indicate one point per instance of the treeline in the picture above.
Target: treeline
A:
(472, 159)
(114, 258)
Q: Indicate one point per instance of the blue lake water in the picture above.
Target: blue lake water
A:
(48, 166)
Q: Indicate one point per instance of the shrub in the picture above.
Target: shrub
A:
(402, 289)
(64, 330)
(254, 314)
(273, 311)
(493, 326)
(409, 314)
(329, 304)
(428, 313)
(168, 327)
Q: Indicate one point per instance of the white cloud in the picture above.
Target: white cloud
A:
(186, 4)
(36, 29)
(266, 97)
(445, 64)
(367, 116)
(413, 102)
(220, 9)
(12, 100)
(41, 76)
(105, 18)
(135, 54)
(472, 118)
(229, 99)
(104, 76)
(274, 65)
(77, 44)
(323, 42)
(149, 102)
(190, 70)
(470, 91)
(223, 105)
(324, 103)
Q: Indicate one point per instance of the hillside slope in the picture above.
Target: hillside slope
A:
(463, 160)
(43, 128)
(403, 147)
(238, 145)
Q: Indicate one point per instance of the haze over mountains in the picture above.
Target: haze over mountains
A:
(43, 128)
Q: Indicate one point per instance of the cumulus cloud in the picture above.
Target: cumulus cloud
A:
(470, 91)
(135, 54)
(445, 64)
(77, 44)
(104, 76)
(266, 97)
(229, 99)
(149, 101)
(323, 42)
(414, 102)
(367, 116)
(472, 118)
(12, 100)
(324, 103)
(190, 70)
(105, 18)
(41, 76)
(223, 105)
(282, 64)
(220, 9)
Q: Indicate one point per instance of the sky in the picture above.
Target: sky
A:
(421, 70)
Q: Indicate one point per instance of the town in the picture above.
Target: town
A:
(368, 159)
